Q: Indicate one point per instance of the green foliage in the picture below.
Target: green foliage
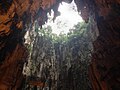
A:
(65, 56)
(77, 31)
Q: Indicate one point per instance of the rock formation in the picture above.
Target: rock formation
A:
(60, 64)
(18, 16)
(104, 70)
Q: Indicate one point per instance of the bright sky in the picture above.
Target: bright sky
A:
(68, 18)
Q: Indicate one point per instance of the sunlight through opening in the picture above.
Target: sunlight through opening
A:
(68, 18)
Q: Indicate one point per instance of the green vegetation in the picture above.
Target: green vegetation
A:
(63, 58)
(78, 30)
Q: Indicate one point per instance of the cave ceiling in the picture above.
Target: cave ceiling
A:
(18, 16)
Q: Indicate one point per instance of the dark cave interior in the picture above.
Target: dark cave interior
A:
(19, 16)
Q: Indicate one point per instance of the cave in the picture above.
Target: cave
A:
(17, 17)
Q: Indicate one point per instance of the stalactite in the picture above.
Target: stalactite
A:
(17, 16)
(64, 63)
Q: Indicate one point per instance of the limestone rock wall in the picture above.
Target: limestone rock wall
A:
(104, 70)
(60, 65)
(17, 16)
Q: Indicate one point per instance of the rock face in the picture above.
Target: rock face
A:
(17, 16)
(104, 70)
(11, 68)
(61, 64)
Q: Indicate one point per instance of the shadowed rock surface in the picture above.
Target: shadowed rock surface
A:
(18, 16)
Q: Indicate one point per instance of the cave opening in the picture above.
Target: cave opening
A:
(60, 52)
(85, 58)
